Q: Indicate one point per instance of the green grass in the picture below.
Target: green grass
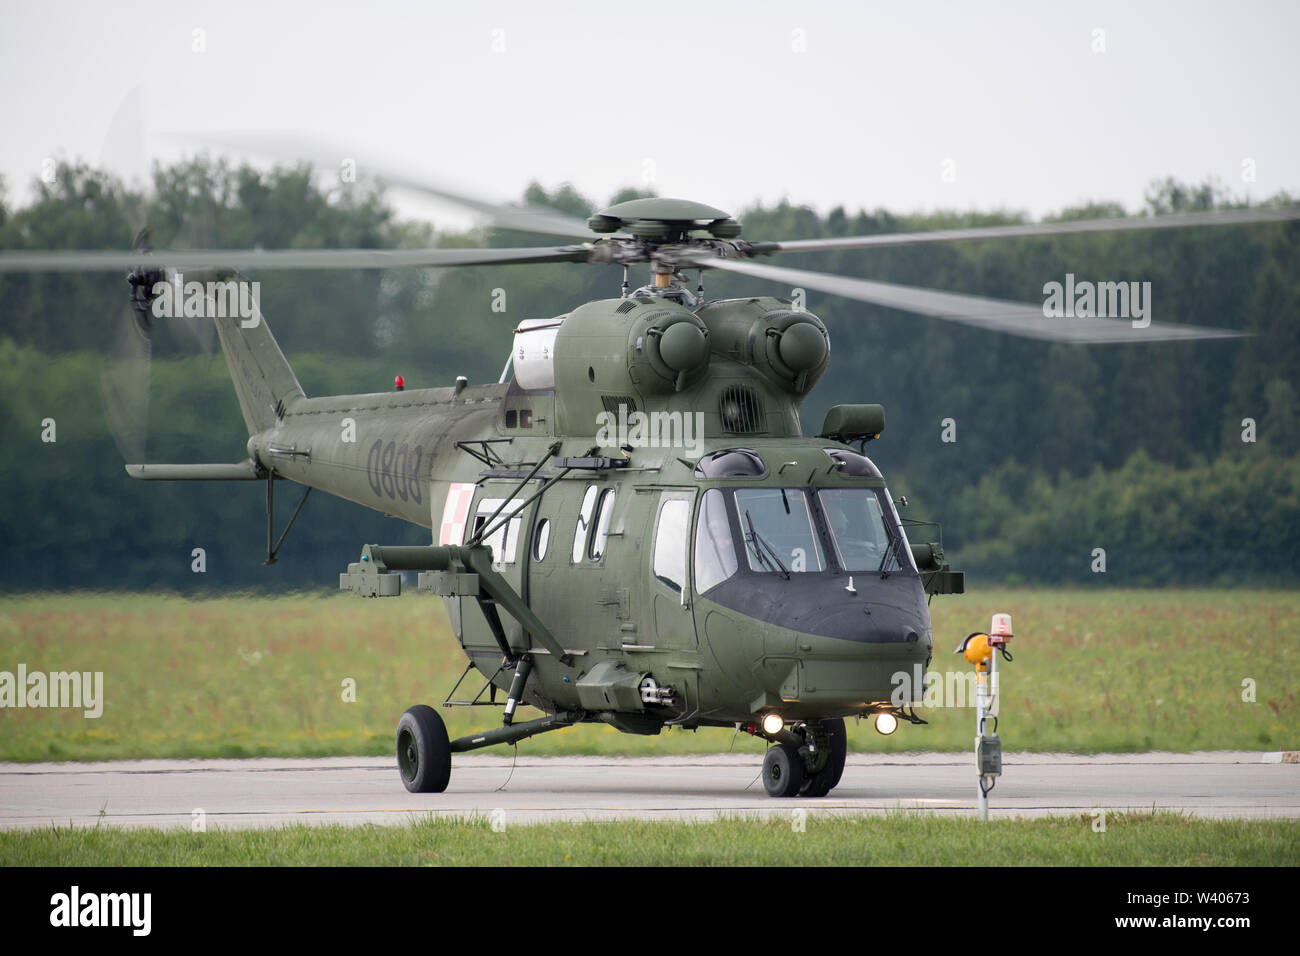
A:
(895, 839)
(256, 676)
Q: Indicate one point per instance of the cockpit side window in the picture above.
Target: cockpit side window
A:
(715, 552)
(672, 533)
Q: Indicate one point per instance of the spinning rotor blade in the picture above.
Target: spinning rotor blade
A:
(90, 261)
(995, 315)
(197, 231)
(124, 384)
(1220, 217)
(125, 363)
(296, 149)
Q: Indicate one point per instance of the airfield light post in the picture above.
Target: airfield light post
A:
(982, 650)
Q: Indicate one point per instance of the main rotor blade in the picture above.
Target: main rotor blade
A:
(1218, 217)
(92, 261)
(298, 149)
(994, 315)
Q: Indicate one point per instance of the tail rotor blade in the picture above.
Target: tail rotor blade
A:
(124, 384)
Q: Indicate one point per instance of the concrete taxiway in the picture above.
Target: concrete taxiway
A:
(355, 790)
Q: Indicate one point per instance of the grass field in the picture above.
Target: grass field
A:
(896, 839)
(256, 676)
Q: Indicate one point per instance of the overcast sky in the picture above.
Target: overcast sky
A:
(910, 106)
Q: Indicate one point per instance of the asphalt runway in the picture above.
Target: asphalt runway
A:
(355, 790)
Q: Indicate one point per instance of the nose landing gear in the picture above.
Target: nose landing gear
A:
(832, 742)
(811, 770)
(783, 771)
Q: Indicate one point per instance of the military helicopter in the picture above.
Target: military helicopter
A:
(632, 526)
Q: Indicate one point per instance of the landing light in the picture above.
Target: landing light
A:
(772, 724)
(886, 723)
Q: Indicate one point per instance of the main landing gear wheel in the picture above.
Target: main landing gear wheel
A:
(783, 772)
(423, 751)
(824, 780)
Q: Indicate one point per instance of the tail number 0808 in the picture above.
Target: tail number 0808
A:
(393, 471)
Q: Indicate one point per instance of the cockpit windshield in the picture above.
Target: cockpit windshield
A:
(778, 530)
(865, 529)
(785, 531)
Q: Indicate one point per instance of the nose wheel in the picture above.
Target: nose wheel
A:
(812, 770)
(423, 750)
(783, 771)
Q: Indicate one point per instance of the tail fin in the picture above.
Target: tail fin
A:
(263, 379)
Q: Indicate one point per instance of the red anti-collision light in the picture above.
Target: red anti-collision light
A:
(399, 383)
(1000, 631)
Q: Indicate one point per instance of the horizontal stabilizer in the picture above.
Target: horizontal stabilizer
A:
(245, 470)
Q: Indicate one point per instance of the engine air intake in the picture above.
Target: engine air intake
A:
(741, 411)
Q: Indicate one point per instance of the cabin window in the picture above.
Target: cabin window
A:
(541, 538)
(504, 541)
(671, 535)
(512, 418)
(584, 523)
(778, 530)
(604, 512)
(715, 552)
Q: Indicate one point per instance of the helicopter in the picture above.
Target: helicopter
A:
(632, 526)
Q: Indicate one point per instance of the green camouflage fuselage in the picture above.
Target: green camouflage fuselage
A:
(804, 644)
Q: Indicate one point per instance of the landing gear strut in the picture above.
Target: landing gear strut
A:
(831, 741)
(424, 752)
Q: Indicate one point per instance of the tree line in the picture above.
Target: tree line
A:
(1176, 460)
